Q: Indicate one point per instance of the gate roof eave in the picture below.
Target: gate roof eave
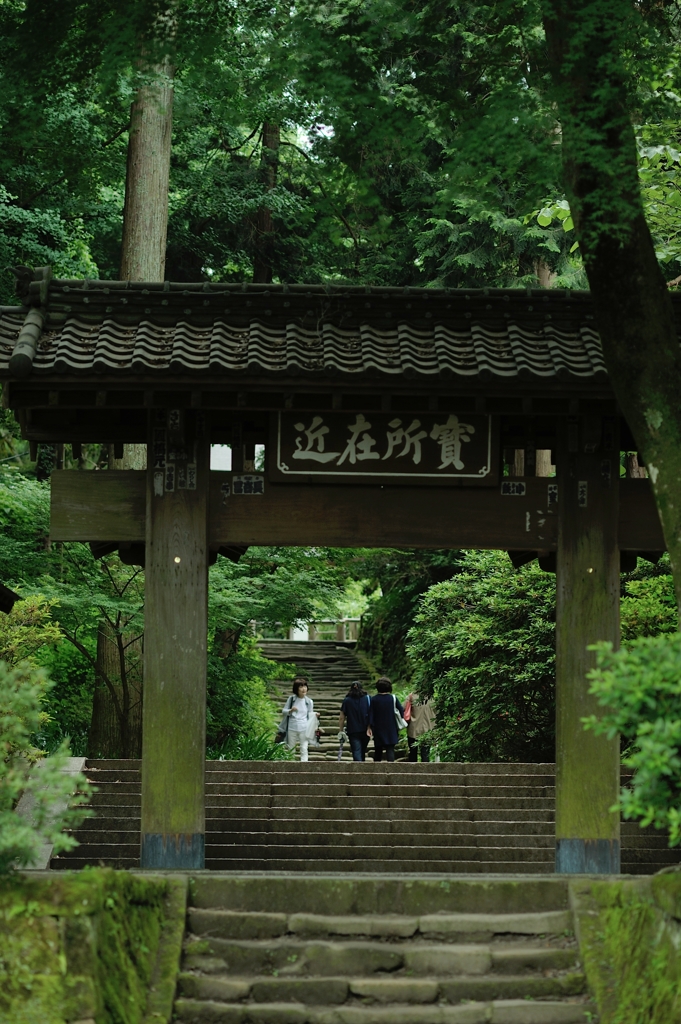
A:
(122, 335)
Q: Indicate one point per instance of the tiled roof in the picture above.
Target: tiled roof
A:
(291, 350)
(118, 329)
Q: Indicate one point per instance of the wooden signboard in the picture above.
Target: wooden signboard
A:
(365, 447)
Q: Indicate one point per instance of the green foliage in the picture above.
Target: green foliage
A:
(27, 631)
(252, 748)
(639, 690)
(68, 704)
(415, 141)
(22, 689)
(648, 605)
(24, 526)
(273, 585)
(483, 645)
(241, 716)
(402, 577)
(660, 176)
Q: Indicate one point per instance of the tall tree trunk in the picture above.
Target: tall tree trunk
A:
(634, 315)
(265, 235)
(145, 215)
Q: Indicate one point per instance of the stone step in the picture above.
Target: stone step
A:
(496, 1012)
(366, 841)
(435, 869)
(337, 991)
(384, 854)
(224, 844)
(232, 924)
(388, 893)
(375, 788)
(107, 846)
(394, 826)
(357, 817)
(286, 812)
(323, 958)
(228, 796)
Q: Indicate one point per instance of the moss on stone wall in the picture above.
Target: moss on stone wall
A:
(629, 934)
(82, 946)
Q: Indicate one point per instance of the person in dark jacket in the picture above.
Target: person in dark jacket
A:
(355, 711)
(382, 724)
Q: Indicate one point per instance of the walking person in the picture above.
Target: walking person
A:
(299, 720)
(383, 720)
(421, 721)
(355, 711)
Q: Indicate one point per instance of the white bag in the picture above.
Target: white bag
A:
(312, 726)
(401, 724)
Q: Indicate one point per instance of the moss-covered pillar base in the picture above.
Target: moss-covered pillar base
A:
(175, 628)
(587, 610)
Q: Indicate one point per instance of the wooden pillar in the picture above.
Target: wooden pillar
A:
(587, 610)
(176, 598)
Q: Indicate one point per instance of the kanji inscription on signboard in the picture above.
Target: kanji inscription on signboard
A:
(354, 446)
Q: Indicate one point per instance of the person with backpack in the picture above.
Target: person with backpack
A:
(385, 720)
(299, 720)
(355, 712)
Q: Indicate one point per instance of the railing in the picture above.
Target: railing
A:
(333, 629)
(319, 629)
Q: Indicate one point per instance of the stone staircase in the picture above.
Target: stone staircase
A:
(406, 818)
(331, 666)
(282, 949)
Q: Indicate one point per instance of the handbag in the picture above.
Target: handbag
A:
(282, 731)
(401, 724)
(407, 710)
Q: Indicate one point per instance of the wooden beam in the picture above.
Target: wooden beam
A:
(175, 638)
(587, 611)
(106, 505)
(110, 505)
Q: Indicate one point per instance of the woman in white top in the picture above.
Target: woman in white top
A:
(299, 717)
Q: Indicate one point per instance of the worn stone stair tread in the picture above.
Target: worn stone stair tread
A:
(488, 818)
(426, 841)
(508, 1011)
(329, 958)
(439, 867)
(392, 825)
(248, 925)
(382, 853)
(307, 990)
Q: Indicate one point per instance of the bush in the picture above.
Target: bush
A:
(639, 689)
(252, 748)
(69, 701)
(22, 691)
(240, 711)
(648, 606)
(483, 645)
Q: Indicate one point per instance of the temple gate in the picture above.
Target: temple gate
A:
(390, 417)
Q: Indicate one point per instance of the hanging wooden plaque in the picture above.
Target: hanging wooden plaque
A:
(395, 448)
